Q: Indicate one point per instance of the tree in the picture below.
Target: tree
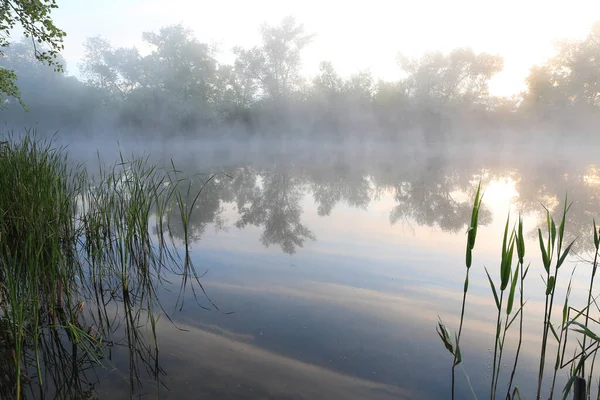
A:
(35, 19)
(326, 98)
(392, 107)
(116, 71)
(177, 83)
(274, 204)
(571, 78)
(444, 87)
(39, 88)
(183, 75)
(275, 64)
(342, 106)
(181, 65)
(359, 89)
(237, 96)
(327, 83)
(239, 90)
(461, 76)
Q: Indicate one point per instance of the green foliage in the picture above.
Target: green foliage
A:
(569, 82)
(177, 81)
(68, 239)
(554, 254)
(471, 236)
(472, 231)
(180, 85)
(34, 17)
(274, 66)
(461, 76)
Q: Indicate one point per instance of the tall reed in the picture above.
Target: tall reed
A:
(520, 242)
(553, 242)
(453, 346)
(589, 300)
(508, 245)
(68, 239)
(554, 254)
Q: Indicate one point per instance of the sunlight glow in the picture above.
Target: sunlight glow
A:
(351, 35)
(592, 177)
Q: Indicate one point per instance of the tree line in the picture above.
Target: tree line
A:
(180, 87)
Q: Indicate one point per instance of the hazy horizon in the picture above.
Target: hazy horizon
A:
(297, 223)
(362, 38)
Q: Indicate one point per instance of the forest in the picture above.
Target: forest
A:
(180, 88)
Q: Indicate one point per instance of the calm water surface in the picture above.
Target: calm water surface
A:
(330, 273)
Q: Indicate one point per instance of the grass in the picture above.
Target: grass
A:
(75, 246)
(554, 330)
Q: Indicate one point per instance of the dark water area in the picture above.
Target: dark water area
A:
(330, 268)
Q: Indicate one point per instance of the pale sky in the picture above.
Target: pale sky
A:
(352, 35)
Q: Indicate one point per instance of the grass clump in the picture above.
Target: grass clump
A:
(70, 245)
(38, 266)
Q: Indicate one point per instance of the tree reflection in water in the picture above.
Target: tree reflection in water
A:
(434, 191)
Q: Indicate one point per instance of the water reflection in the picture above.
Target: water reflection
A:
(430, 194)
(123, 349)
(547, 183)
(433, 191)
(333, 323)
(319, 321)
(271, 200)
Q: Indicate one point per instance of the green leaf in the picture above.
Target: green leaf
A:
(520, 241)
(564, 254)
(568, 386)
(565, 310)
(588, 333)
(507, 266)
(469, 257)
(516, 394)
(472, 235)
(553, 231)
(526, 271)
(545, 259)
(34, 18)
(505, 235)
(550, 285)
(493, 289)
(506, 261)
(564, 216)
(554, 332)
(516, 314)
(514, 317)
(585, 331)
(579, 314)
(511, 294)
(444, 335)
(458, 352)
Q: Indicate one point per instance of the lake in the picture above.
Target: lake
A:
(326, 269)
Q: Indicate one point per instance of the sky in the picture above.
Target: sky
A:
(354, 36)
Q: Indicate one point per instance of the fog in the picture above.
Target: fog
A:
(337, 202)
(179, 89)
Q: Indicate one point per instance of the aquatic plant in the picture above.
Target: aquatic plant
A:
(554, 254)
(72, 243)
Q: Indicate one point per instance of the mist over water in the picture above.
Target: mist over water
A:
(337, 260)
(329, 233)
